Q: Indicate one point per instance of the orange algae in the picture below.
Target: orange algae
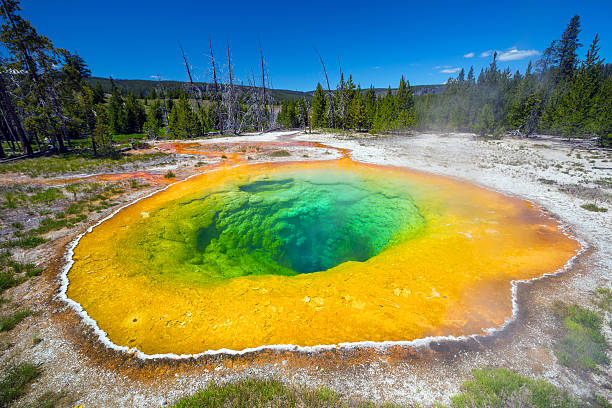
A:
(453, 278)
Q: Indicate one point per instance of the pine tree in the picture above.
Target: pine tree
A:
(35, 56)
(102, 131)
(486, 121)
(565, 51)
(319, 108)
(404, 105)
(470, 76)
(370, 107)
(98, 94)
(603, 115)
(175, 130)
(461, 76)
(116, 115)
(357, 111)
(135, 115)
(184, 123)
(386, 113)
(153, 125)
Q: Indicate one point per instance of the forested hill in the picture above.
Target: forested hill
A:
(143, 88)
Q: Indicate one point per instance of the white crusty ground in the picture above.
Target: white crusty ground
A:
(511, 166)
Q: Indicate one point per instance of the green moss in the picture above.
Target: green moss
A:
(500, 387)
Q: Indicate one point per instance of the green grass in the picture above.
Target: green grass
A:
(69, 163)
(7, 280)
(93, 197)
(13, 199)
(251, 393)
(500, 387)
(169, 175)
(11, 269)
(48, 399)
(594, 208)
(10, 321)
(584, 346)
(603, 299)
(129, 137)
(28, 241)
(47, 196)
(490, 387)
(16, 380)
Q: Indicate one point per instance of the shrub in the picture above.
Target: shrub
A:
(169, 175)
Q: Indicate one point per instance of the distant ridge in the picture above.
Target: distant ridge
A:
(143, 87)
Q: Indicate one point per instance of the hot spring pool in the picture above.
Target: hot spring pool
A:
(309, 254)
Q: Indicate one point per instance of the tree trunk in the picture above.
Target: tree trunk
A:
(219, 116)
(331, 98)
(263, 85)
(10, 110)
(193, 88)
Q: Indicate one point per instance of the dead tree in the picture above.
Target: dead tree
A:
(342, 106)
(217, 96)
(263, 86)
(329, 92)
(232, 108)
(255, 97)
(193, 89)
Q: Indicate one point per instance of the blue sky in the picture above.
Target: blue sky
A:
(375, 41)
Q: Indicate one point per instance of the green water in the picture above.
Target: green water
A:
(285, 224)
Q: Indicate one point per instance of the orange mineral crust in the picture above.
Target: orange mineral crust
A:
(310, 254)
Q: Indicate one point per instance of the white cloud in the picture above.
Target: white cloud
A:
(156, 77)
(469, 55)
(442, 67)
(486, 53)
(450, 70)
(514, 54)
